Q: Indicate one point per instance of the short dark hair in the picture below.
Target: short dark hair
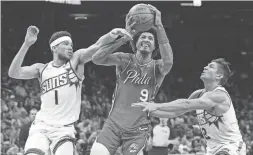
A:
(225, 69)
(137, 36)
(57, 35)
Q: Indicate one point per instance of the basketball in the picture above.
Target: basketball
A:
(143, 17)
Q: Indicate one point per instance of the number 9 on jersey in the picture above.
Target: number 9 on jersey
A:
(144, 95)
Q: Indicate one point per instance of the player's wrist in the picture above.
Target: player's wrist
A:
(27, 43)
(113, 35)
(124, 40)
(159, 26)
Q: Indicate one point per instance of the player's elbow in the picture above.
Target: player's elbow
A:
(12, 73)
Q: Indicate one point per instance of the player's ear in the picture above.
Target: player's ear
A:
(53, 49)
(219, 76)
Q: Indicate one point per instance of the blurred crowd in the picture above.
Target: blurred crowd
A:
(20, 100)
(212, 34)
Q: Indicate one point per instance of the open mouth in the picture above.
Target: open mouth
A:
(144, 44)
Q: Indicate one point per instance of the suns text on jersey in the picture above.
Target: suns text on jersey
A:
(54, 82)
(201, 119)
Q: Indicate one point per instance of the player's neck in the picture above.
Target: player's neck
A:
(210, 86)
(57, 62)
(143, 59)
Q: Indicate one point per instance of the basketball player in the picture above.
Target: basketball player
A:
(138, 79)
(214, 109)
(61, 82)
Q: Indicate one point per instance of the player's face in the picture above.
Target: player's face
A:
(146, 42)
(65, 50)
(210, 72)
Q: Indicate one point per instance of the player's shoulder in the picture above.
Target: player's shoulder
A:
(39, 66)
(220, 90)
(221, 93)
(124, 56)
(158, 62)
(196, 93)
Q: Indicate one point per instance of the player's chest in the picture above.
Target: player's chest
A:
(57, 78)
(54, 74)
(138, 75)
(205, 117)
(201, 117)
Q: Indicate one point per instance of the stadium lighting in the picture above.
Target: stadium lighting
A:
(72, 2)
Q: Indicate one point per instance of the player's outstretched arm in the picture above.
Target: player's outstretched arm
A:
(85, 55)
(207, 101)
(165, 64)
(26, 72)
(105, 57)
(165, 114)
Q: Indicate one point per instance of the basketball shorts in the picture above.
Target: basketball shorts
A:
(45, 139)
(238, 148)
(132, 142)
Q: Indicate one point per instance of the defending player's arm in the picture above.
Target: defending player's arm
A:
(207, 101)
(85, 55)
(105, 55)
(160, 113)
(181, 106)
(26, 72)
(165, 64)
(165, 114)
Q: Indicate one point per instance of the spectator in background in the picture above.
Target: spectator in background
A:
(186, 141)
(196, 146)
(161, 134)
(24, 131)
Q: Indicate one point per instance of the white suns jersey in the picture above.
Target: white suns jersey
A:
(219, 130)
(60, 95)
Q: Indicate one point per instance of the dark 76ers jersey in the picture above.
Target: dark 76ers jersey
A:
(134, 84)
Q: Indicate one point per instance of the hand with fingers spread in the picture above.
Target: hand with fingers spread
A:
(148, 106)
(158, 20)
(31, 35)
(130, 25)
